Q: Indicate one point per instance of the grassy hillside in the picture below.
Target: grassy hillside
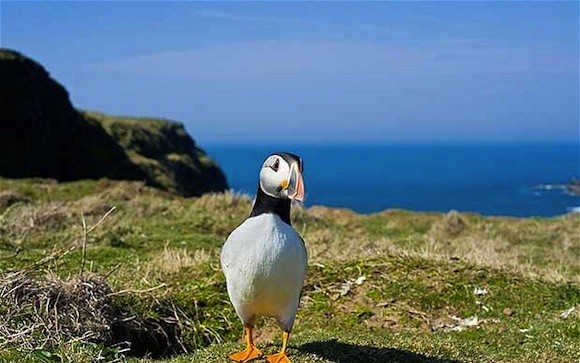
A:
(165, 152)
(394, 286)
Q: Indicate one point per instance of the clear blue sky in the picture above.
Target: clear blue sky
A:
(316, 72)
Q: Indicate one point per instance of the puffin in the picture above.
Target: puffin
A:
(264, 260)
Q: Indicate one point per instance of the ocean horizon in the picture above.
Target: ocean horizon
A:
(503, 179)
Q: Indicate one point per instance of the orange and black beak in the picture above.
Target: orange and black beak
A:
(296, 183)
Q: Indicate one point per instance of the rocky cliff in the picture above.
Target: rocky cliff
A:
(43, 135)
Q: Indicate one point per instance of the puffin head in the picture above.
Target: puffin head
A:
(281, 176)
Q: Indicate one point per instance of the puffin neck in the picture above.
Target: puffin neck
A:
(267, 204)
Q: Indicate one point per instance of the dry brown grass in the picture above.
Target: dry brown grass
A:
(42, 312)
(228, 199)
(16, 224)
(532, 247)
(175, 259)
(47, 313)
(539, 248)
(323, 245)
(8, 198)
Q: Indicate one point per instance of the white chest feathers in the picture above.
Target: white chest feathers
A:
(264, 261)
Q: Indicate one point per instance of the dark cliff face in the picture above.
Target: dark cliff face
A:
(43, 135)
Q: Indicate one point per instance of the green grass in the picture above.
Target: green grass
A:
(388, 287)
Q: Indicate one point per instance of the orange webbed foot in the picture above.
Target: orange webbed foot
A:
(281, 357)
(251, 352)
(246, 355)
(278, 358)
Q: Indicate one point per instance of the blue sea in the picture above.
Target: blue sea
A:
(508, 180)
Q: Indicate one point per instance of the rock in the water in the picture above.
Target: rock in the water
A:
(573, 187)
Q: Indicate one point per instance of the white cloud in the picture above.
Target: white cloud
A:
(228, 16)
(337, 59)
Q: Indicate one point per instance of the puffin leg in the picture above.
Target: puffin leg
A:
(251, 352)
(281, 357)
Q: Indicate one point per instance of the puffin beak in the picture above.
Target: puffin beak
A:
(296, 184)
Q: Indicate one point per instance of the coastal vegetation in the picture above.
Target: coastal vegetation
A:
(87, 266)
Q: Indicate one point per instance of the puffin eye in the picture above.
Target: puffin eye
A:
(276, 165)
